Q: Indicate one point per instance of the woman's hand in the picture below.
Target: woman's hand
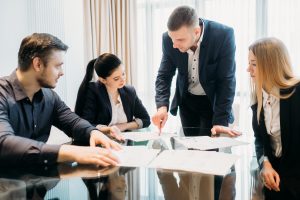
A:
(270, 177)
(115, 132)
(98, 138)
(112, 131)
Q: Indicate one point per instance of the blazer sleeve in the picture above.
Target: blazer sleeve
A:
(139, 111)
(165, 74)
(225, 83)
(89, 112)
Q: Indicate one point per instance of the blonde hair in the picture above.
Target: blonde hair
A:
(273, 69)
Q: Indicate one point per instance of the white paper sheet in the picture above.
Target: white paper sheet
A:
(206, 142)
(144, 136)
(135, 156)
(207, 162)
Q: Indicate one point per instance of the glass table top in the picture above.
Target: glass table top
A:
(69, 181)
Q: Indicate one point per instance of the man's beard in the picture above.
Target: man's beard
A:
(44, 83)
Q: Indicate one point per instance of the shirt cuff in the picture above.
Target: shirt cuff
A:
(49, 154)
(139, 122)
(100, 126)
(262, 159)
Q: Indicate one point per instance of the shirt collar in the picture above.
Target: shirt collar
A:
(202, 33)
(189, 51)
(118, 98)
(269, 97)
(18, 89)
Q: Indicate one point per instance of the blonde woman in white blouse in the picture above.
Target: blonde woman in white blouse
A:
(276, 114)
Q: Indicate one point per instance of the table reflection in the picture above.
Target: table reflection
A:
(26, 183)
(113, 186)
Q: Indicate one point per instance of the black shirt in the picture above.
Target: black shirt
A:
(25, 125)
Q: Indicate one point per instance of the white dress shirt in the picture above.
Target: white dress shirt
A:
(271, 106)
(193, 69)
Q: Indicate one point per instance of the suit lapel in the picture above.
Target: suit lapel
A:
(203, 52)
(106, 100)
(284, 122)
(183, 68)
(126, 102)
(184, 62)
(261, 126)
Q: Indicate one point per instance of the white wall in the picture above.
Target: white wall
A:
(74, 72)
(62, 18)
(13, 28)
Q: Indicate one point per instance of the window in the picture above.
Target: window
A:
(251, 19)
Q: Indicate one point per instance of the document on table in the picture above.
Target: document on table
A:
(135, 156)
(206, 142)
(144, 136)
(207, 162)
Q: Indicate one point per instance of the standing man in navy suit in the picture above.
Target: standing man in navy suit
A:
(203, 53)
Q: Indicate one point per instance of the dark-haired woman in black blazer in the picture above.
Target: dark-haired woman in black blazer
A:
(109, 104)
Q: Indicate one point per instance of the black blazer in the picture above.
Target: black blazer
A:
(289, 163)
(97, 107)
(216, 71)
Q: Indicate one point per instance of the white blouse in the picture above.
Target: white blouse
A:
(271, 106)
(118, 114)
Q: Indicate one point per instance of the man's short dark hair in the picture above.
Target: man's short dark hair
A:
(182, 16)
(38, 45)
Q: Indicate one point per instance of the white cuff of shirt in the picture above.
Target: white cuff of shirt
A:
(100, 126)
(262, 159)
(139, 122)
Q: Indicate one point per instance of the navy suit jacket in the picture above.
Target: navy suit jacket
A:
(97, 108)
(290, 134)
(216, 72)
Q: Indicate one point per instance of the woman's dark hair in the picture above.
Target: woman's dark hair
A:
(104, 66)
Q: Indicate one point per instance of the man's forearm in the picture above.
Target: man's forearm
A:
(66, 153)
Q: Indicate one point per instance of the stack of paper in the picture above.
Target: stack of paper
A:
(207, 162)
(136, 156)
(206, 142)
(186, 160)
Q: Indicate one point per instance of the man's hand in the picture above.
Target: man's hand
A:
(159, 119)
(98, 138)
(86, 171)
(217, 129)
(270, 177)
(87, 155)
